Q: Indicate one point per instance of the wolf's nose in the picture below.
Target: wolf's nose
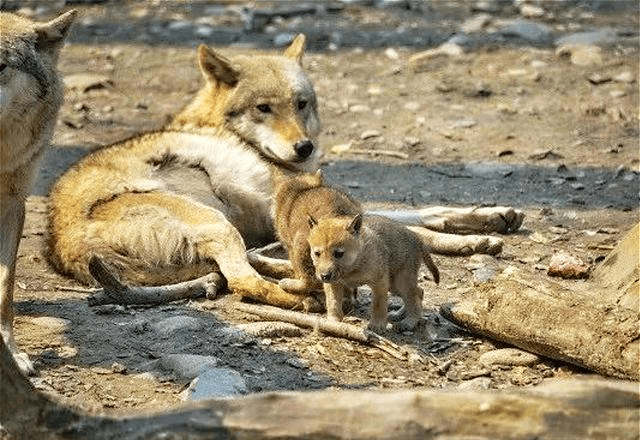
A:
(326, 277)
(304, 148)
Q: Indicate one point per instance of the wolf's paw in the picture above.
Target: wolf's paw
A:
(377, 327)
(24, 363)
(488, 245)
(501, 219)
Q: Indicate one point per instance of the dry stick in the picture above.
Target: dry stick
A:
(339, 329)
(115, 292)
(389, 153)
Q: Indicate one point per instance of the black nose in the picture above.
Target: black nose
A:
(304, 148)
(326, 277)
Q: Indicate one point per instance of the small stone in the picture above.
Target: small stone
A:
(624, 77)
(582, 55)
(509, 357)
(476, 23)
(118, 368)
(391, 53)
(567, 266)
(531, 11)
(215, 383)
(177, 323)
(359, 108)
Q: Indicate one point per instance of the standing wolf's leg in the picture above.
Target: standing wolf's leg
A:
(12, 212)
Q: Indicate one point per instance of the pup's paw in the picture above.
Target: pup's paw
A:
(377, 327)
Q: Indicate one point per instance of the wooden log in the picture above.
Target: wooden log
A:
(575, 409)
(555, 322)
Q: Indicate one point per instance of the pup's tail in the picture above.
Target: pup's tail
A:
(426, 257)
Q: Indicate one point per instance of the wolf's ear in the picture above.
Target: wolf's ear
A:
(51, 35)
(296, 48)
(355, 225)
(216, 68)
(312, 221)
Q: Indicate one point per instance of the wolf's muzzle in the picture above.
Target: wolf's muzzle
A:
(304, 148)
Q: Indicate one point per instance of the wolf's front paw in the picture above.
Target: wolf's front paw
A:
(377, 327)
(24, 364)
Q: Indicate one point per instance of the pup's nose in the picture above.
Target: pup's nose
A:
(304, 148)
(326, 277)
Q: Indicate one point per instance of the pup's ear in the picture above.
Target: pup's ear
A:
(296, 48)
(51, 35)
(216, 68)
(312, 221)
(355, 225)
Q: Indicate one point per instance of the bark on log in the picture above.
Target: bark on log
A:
(555, 322)
(576, 409)
(595, 326)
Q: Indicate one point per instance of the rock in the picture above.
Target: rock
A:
(531, 11)
(476, 24)
(215, 383)
(55, 325)
(464, 123)
(359, 108)
(477, 384)
(567, 266)
(491, 6)
(624, 77)
(528, 30)
(391, 53)
(581, 55)
(603, 37)
(176, 323)
(508, 357)
(186, 366)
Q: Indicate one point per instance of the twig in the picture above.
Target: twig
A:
(115, 292)
(339, 329)
(389, 153)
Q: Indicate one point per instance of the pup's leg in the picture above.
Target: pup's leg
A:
(378, 321)
(412, 299)
(12, 212)
(334, 295)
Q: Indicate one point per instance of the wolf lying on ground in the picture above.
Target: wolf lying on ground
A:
(30, 97)
(175, 204)
(348, 252)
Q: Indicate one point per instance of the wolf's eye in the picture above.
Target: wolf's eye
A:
(264, 108)
(302, 104)
(338, 253)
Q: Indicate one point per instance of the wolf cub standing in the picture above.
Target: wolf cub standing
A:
(348, 252)
(296, 199)
(30, 97)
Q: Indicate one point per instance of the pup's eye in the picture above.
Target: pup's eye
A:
(264, 108)
(338, 253)
(302, 104)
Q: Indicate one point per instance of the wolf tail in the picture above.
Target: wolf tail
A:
(426, 257)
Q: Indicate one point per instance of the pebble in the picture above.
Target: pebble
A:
(624, 77)
(509, 357)
(603, 37)
(528, 30)
(215, 383)
(567, 266)
(531, 11)
(186, 366)
(477, 384)
(476, 24)
(359, 108)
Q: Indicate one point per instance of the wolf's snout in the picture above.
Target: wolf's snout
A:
(304, 148)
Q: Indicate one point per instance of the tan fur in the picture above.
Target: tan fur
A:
(348, 252)
(172, 205)
(296, 199)
(30, 97)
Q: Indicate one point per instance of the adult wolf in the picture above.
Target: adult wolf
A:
(184, 201)
(30, 97)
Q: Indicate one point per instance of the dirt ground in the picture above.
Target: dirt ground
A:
(507, 122)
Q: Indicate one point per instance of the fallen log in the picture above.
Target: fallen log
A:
(574, 409)
(588, 326)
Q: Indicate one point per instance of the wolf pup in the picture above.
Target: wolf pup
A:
(182, 202)
(295, 200)
(30, 97)
(348, 252)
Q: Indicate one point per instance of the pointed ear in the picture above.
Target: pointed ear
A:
(355, 225)
(216, 68)
(51, 35)
(296, 48)
(312, 221)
